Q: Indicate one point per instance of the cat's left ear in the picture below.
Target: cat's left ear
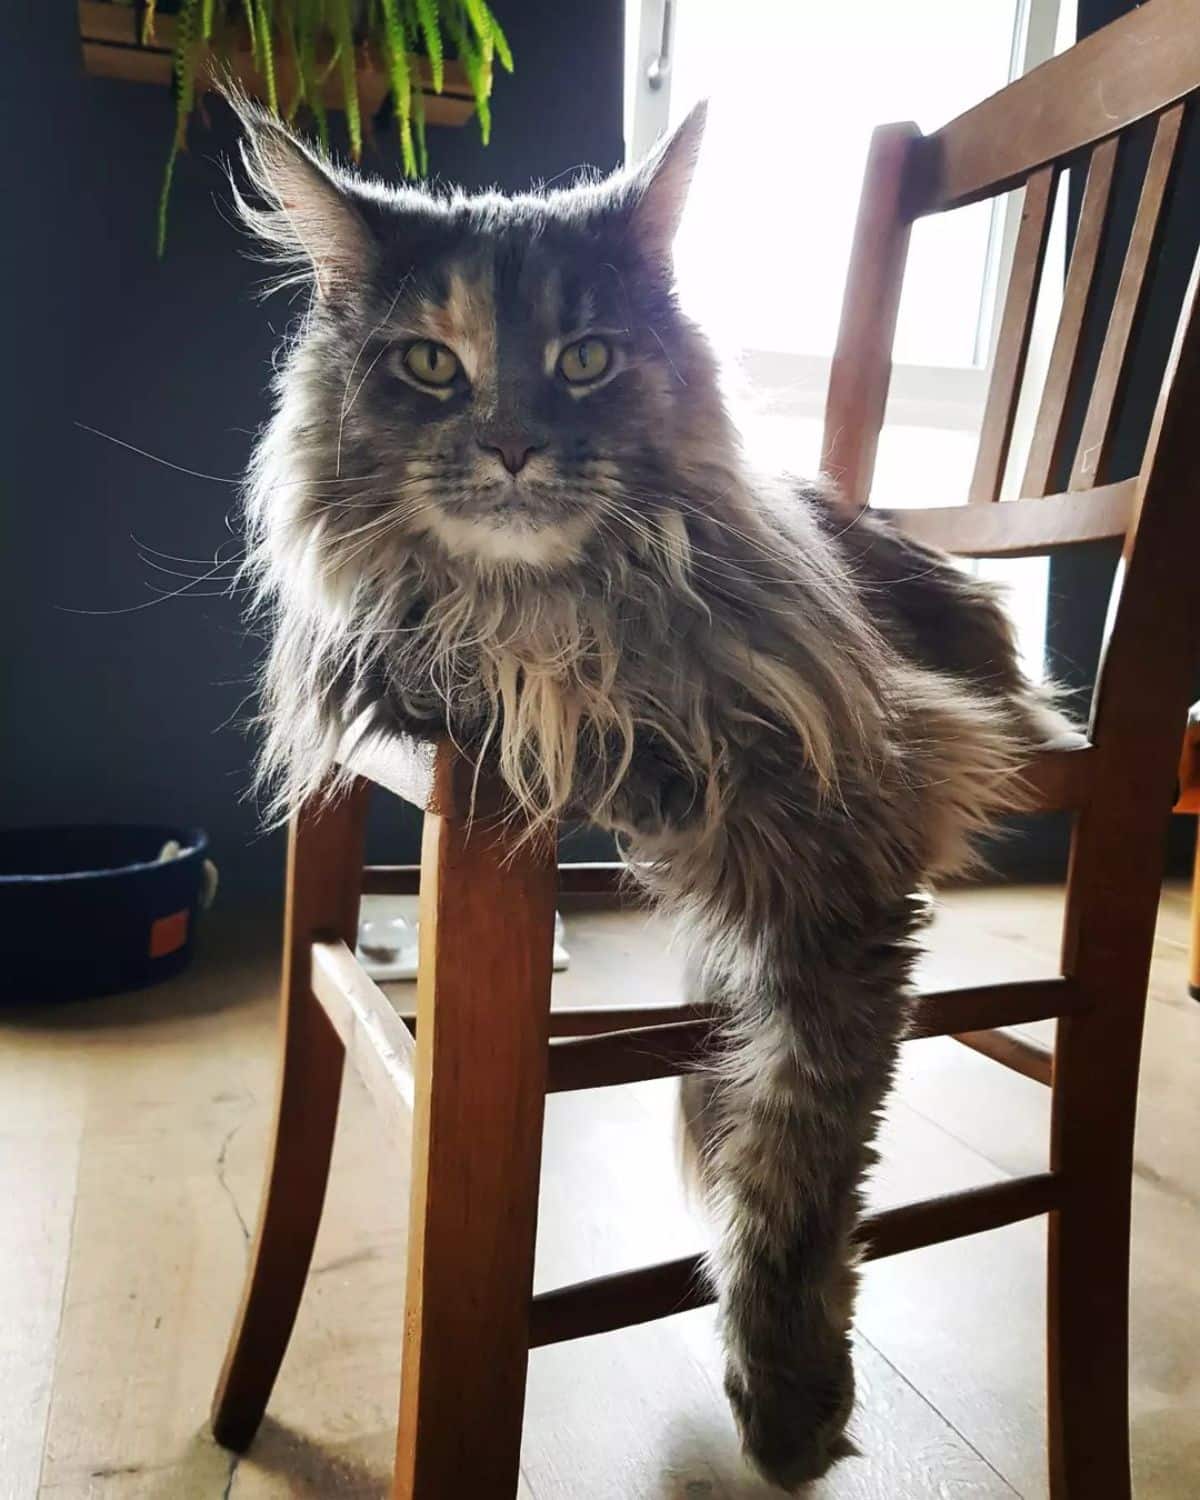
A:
(660, 186)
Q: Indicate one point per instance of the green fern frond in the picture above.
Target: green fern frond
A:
(289, 30)
(304, 40)
(301, 30)
(477, 15)
(164, 198)
(431, 32)
(342, 23)
(419, 133)
(312, 24)
(183, 69)
(503, 50)
(396, 49)
(478, 73)
(481, 21)
(252, 27)
(315, 91)
(266, 52)
(396, 53)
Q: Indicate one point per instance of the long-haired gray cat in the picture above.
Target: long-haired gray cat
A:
(501, 496)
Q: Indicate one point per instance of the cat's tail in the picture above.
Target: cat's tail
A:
(777, 1128)
(777, 1133)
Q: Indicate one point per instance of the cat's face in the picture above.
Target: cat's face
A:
(511, 378)
(517, 388)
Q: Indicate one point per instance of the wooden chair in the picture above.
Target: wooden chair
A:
(487, 1046)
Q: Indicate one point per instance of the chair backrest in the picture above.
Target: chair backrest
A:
(1075, 112)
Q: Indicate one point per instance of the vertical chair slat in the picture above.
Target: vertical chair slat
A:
(1091, 457)
(1012, 344)
(862, 360)
(1046, 447)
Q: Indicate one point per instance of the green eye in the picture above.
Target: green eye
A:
(584, 361)
(430, 363)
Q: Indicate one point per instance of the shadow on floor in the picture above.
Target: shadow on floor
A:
(309, 1470)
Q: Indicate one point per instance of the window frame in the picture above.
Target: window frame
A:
(794, 384)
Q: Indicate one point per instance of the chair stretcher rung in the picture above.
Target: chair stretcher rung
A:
(982, 1007)
(391, 880)
(679, 1039)
(611, 1302)
(1016, 1052)
(377, 1042)
(644, 1052)
(595, 1020)
(602, 878)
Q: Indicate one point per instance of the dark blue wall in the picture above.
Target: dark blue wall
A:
(138, 715)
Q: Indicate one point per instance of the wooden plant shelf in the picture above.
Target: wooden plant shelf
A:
(112, 48)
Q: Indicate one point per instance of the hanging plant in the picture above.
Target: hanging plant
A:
(299, 56)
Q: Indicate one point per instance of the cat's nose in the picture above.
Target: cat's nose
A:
(513, 452)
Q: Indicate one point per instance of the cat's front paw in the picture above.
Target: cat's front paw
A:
(793, 1424)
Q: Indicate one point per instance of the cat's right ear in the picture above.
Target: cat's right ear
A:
(300, 209)
(659, 186)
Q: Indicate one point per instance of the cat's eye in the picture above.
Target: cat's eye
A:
(584, 361)
(430, 363)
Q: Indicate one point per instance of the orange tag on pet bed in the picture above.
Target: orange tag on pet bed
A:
(168, 934)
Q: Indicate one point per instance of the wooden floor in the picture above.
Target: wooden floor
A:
(132, 1134)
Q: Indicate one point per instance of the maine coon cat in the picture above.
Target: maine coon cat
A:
(501, 497)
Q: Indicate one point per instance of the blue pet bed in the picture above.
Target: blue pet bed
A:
(86, 911)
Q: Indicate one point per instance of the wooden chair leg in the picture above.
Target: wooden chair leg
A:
(1194, 952)
(1088, 1272)
(324, 875)
(483, 1008)
(1107, 940)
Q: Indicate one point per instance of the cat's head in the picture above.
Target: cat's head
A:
(503, 380)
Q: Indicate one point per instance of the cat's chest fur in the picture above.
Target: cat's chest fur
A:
(561, 682)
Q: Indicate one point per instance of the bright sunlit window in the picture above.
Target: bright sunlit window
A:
(794, 92)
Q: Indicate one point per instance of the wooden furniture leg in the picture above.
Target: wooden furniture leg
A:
(1189, 802)
(1108, 937)
(324, 876)
(1194, 952)
(1088, 1271)
(483, 1009)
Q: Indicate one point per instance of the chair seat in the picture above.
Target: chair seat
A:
(1057, 778)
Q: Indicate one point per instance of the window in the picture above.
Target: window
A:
(794, 92)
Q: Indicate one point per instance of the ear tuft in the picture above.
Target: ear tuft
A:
(300, 208)
(661, 185)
